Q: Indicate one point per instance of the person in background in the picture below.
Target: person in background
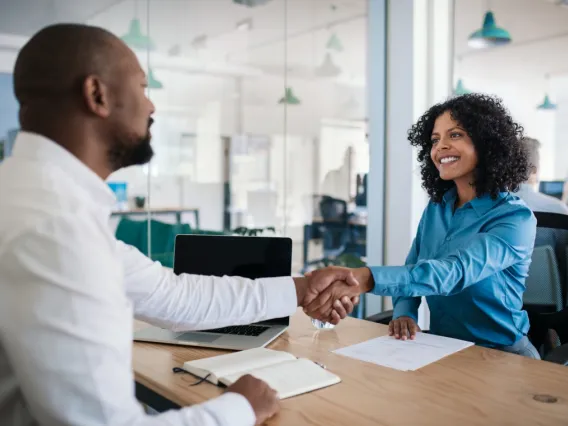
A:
(528, 191)
(68, 288)
(474, 243)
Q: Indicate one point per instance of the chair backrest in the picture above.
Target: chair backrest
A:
(552, 232)
(333, 209)
(543, 286)
(546, 288)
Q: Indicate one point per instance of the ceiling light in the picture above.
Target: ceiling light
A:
(460, 89)
(199, 42)
(244, 25)
(152, 82)
(328, 68)
(135, 39)
(334, 43)
(289, 98)
(490, 35)
(547, 104)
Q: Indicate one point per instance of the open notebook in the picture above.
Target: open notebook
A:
(286, 374)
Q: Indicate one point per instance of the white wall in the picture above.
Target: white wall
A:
(560, 117)
(521, 97)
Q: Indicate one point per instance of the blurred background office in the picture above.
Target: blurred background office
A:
(276, 113)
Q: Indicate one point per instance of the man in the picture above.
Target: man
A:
(537, 201)
(68, 288)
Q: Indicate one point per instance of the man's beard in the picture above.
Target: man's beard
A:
(125, 154)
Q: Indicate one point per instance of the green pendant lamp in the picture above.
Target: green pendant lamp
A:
(547, 104)
(289, 98)
(328, 68)
(490, 35)
(334, 43)
(152, 82)
(135, 39)
(461, 89)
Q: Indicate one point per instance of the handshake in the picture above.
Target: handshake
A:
(330, 294)
(327, 295)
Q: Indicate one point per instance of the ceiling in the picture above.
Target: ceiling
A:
(539, 32)
(283, 31)
(295, 32)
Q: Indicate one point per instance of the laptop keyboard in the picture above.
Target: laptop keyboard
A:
(240, 330)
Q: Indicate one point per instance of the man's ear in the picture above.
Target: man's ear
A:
(96, 96)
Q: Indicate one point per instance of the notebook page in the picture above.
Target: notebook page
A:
(229, 364)
(290, 378)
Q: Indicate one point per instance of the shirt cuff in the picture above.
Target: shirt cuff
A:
(281, 297)
(391, 280)
(231, 409)
(406, 308)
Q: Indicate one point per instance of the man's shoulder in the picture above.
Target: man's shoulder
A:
(33, 194)
(539, 202)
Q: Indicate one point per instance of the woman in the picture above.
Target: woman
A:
(473, 247)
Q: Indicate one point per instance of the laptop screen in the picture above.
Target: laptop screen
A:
(249, 257)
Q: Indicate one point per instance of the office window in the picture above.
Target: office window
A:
(260, 108)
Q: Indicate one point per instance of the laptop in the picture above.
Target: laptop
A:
(249, 257)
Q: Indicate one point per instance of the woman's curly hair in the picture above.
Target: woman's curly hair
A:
(502, 161)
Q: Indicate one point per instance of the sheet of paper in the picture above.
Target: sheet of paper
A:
(405, 355)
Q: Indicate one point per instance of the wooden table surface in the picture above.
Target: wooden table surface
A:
(475, 386)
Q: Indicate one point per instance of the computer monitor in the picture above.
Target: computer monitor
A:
(248, 257)
(553, 188)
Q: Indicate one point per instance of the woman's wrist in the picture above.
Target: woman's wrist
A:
(365, 278)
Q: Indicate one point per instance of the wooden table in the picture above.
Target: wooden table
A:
(477, 386)
(153, 211)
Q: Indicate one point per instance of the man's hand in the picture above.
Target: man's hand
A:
(403, 327)
(261, 397)
(336, 292)
(309, 287)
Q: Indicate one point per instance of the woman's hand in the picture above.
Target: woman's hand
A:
(403, 327)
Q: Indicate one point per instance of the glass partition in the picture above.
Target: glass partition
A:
(261, 110)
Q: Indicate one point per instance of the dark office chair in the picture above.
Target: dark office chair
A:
(343, 244)
(546, 296)
(340, 239)
(334, 227)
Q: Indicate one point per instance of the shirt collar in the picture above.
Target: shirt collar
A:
(35, 147)
(481, 205)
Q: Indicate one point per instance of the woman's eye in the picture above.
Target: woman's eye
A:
(434, 141)
(455, 135)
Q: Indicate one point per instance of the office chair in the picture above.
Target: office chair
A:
(343, 244)
(334, 227)
(546, 295)
(340, 239)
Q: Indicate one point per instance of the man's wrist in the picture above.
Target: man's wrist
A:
(365, 278)
(301, 284)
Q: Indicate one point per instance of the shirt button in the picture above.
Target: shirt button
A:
(448, 238)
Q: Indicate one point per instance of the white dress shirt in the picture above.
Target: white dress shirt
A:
(539, 202)
(68, 292)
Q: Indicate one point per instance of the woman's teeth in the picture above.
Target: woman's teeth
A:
(447, 160)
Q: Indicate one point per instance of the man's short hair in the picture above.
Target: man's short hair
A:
(532, 147)
(53, 63)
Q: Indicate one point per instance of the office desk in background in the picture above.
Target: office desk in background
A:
(477, 386)
(177, 212)
(312, 232)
